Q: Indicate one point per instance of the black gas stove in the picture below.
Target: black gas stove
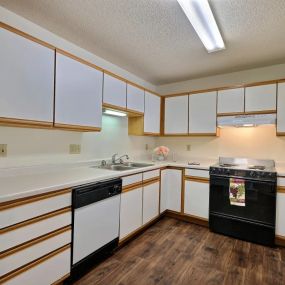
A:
(243, 199)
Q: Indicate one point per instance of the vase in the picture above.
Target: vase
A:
(160, 157)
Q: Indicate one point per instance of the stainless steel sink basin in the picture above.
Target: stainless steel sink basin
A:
(137, 164)
(123, 166)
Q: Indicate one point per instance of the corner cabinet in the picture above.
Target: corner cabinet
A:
(152, 114)
(27, 81)
(114, 92)
(203, 113)
(135, 99)
(281, 109)
(176, 115)
(78, 95)
(260, 99)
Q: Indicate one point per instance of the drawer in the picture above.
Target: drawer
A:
(19, 211)
(281, 181)
(36, 249)
(45, 271)
(27, 231)
(151, 174)
(131, 180)
(197, 172)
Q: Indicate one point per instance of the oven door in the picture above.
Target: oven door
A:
(260, 200)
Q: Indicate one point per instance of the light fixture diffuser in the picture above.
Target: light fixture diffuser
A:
(114, 113)
(200, 15)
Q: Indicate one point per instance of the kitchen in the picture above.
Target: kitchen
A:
(118, 182)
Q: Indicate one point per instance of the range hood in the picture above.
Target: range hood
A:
(246, 120)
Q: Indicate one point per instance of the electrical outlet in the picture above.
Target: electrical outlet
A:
(188, 147)
(3, 150)
(146, 146)
(74, 148)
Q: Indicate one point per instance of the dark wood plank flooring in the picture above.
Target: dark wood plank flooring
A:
(176, 252)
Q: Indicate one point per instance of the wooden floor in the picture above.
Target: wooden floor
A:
(175, 252)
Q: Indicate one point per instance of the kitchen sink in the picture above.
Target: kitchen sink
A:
(123, 166)
(137, 164)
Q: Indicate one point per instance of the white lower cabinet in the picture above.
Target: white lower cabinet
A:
(171, 185)
(46, 272)
(280, 214)
(131, 211)
(150, 202)
(196, 199)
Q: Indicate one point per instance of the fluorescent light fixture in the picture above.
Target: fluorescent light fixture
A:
(248, 125)
(202, 19)
(114, 113)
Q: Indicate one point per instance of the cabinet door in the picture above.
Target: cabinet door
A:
(203, 113)
(152, 113)
(150, 202)
(231, 101)
(131, 212)
(27, 78)
(176, 115)
(260, 98)
(171, 185)
(114, 91)
(281, 108)
(196, 200)
(135, 98)
(78, 93)
(280, 214)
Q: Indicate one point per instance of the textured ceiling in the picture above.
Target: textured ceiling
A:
(154, 40)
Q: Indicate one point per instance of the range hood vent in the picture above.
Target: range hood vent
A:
(246, 120)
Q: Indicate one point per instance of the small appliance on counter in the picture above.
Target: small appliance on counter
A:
(243, 199)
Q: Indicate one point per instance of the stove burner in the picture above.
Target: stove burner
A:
(256, 167)
(227, 165)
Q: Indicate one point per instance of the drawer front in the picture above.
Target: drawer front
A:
(281, 181)
(28, 232)
(29, 210)
(197, 173)
(132, 179)
(28, 254)
(46, 272)
(151, 174)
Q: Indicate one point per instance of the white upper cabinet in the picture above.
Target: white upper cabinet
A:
(260, 98)
(78, 93)
(152, 113)
(26, 78)
(281, 108)
(135, 98)
(176, 115)
(114, 91)
(203, 113)
(231, 101)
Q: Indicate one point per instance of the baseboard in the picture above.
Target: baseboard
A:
(280, 240)
(187, 218)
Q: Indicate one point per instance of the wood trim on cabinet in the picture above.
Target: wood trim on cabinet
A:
(76, 128)
(151, 134)
(114, 107)
(31, 199)
(32, 242)
(25, 35)
(281, 189)
(35, 220)
(230, 114)
(187, 218)
(131, 187)
(115, 75)
(32, 264)
(280, 134)
(65, 53)
(280, 240)
(133, 113)
(13, 122)
(203, 134)
(151, 181)
(197, 179)
(263, 112)
(60, 281)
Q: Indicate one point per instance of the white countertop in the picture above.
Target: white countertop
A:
(24, 182)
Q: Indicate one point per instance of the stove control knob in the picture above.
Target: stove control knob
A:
(252, 173)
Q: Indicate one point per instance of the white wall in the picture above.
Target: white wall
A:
(260, 142)
(235, 78)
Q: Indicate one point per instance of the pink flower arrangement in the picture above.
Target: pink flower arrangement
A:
(161, 150)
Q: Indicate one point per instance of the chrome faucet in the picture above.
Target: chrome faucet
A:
(114, 159)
